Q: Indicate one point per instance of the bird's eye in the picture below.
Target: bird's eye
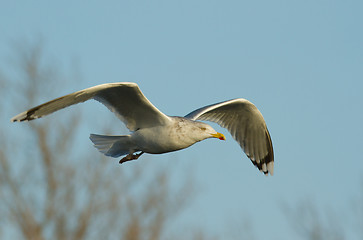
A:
(203, 128)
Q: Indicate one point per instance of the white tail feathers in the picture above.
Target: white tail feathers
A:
(112, 146)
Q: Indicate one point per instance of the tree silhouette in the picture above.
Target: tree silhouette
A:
(51, 189)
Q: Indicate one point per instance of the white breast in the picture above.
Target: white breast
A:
(180, 134)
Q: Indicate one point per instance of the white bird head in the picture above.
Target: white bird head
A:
(204, 131)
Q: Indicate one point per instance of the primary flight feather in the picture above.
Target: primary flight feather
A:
(154, 132)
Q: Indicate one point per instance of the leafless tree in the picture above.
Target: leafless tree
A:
(50, 189)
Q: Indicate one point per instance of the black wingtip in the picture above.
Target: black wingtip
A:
(266, 164)
(27, 115)
(22, 117)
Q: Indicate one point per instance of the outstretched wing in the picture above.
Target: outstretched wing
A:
(247, 126)
(124, 99)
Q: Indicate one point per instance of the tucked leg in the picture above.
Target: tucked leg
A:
(130, 157)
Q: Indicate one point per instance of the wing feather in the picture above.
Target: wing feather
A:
(246, 125)
(124, 99)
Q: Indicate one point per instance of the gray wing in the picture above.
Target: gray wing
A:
(246, 125)
(124, 99)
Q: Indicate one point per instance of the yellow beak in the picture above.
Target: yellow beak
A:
(219, 135)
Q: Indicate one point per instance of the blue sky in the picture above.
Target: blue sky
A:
(299, 62)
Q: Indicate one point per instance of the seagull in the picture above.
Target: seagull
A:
(153, 132)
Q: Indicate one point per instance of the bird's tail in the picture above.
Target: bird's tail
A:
(112, 146)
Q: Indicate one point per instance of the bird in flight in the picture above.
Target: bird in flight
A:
(154, 132)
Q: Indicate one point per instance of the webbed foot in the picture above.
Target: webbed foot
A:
(130, 157)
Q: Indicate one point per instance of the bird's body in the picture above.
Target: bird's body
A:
(179, 134)
(155, 133)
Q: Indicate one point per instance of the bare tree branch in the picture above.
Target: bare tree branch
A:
(311, 223)
(49, 193)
